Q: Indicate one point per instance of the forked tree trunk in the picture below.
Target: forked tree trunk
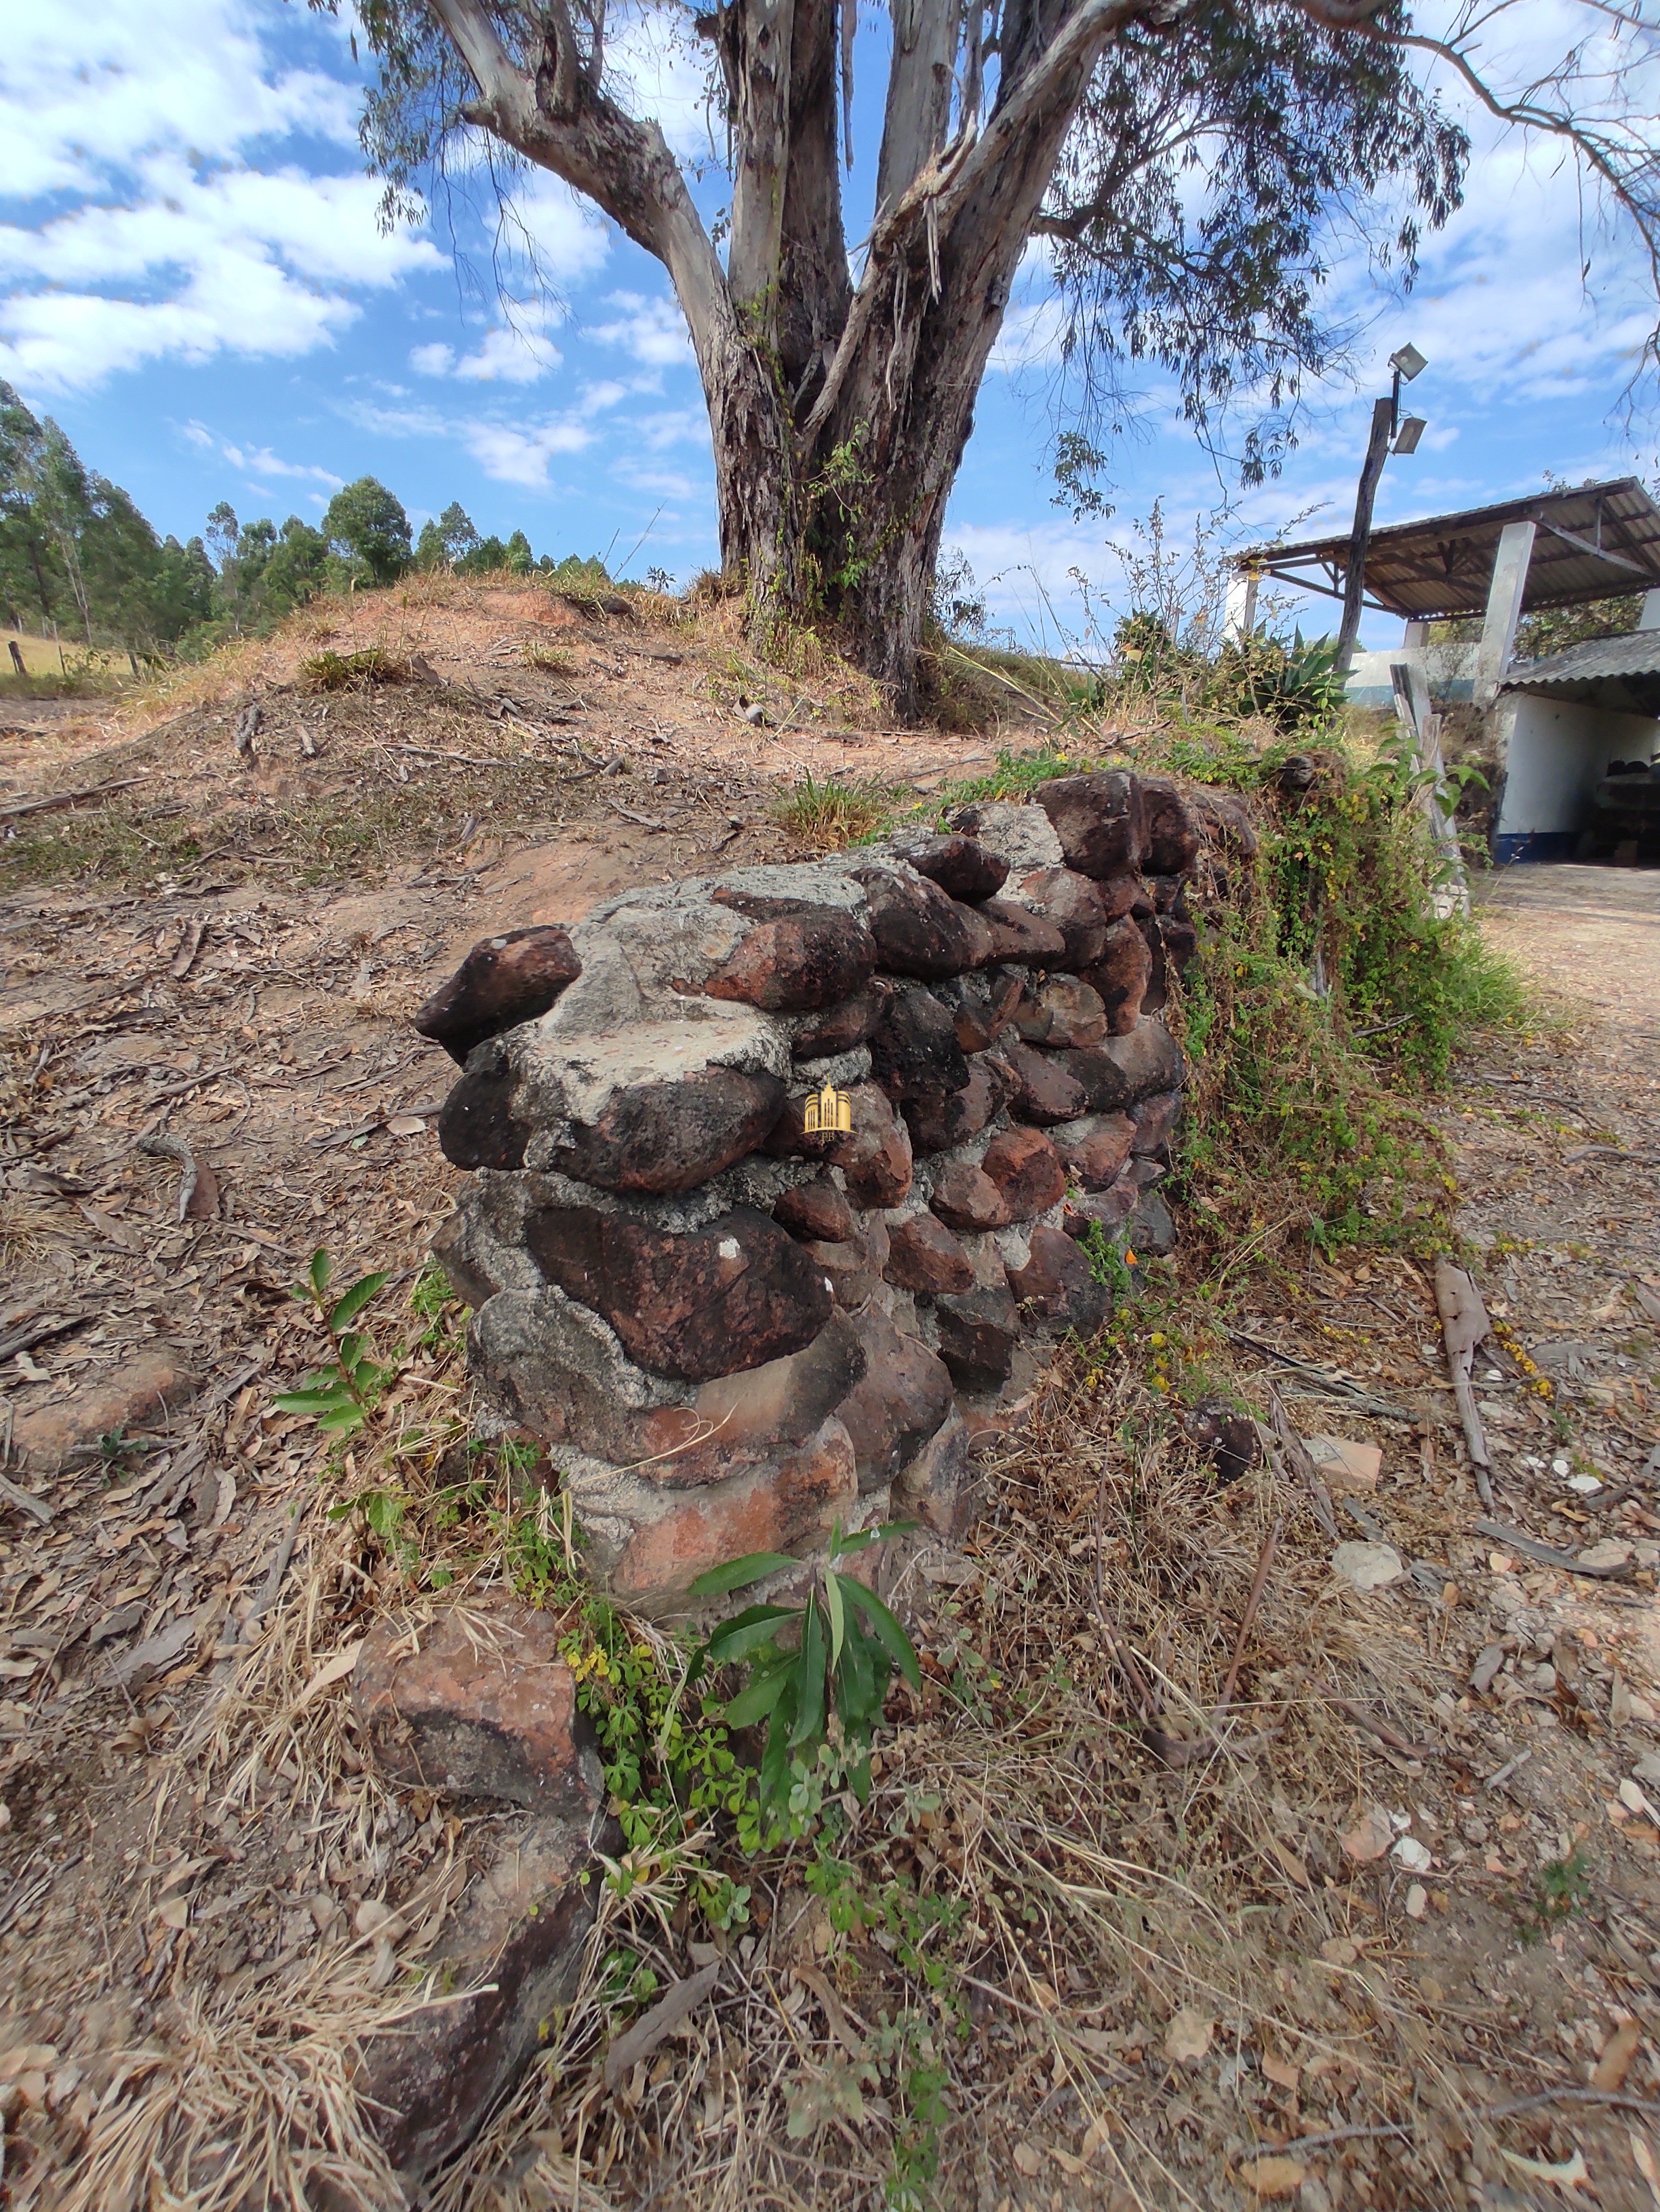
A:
(838, 413)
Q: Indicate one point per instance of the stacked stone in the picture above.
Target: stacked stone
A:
(733, 1331)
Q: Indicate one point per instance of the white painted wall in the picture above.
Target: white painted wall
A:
(1557, 749)
(1449, 670)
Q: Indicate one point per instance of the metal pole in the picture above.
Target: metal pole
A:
(1383, 429)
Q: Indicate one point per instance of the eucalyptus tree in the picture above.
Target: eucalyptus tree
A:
(1186, 166)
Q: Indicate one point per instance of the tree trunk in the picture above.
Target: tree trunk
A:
(838, 413)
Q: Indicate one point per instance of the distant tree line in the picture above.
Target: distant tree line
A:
(78, 558)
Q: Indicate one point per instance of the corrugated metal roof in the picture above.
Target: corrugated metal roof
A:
(1597, 662)
(1593, 543)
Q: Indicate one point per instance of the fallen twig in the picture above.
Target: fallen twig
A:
(1569, 2095)
(1330, 1385)
(279, 1567)
(1383, 1732)
(1464, 1324)
(1347, 2135)
(58, 798)
(199, 1188)
(1259, 1584)
(25, 1502)
(1296, 1464)
(1548, 1556)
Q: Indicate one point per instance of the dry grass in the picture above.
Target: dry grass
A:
(828, 815)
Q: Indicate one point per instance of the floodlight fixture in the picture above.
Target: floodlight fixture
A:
(1408, 435)
(1407, 361)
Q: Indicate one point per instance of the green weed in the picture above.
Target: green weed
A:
(1562, 1889)
(828, 1661)
(339, 1398)
(832, 815)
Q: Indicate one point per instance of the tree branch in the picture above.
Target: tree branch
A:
(624, 167)
(1526, 114)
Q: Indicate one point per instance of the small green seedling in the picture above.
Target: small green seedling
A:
(339, 1399)
(844, 1646)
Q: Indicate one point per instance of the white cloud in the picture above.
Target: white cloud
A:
(504, 355)
(172, 244)
(86, 90)
(657, 69)
(519, 453)
(259, 462)
(683, 426)
(652, 330)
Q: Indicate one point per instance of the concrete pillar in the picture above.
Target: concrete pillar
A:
(1509, 576)
(1240, 619)
(1650, 617)
(1417, 633)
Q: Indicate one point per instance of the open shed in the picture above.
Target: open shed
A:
(1582, 730)
(1556, 728)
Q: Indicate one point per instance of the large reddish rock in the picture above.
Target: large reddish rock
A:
(904, 1395)
(875, 1155)
(923, 1256)
(978, 1333)
(788, 1505)
(1073, 905)
(712, 1300)
(1017, 933)
(1119, 978)
(951, 1117)
(138, 1393)
(983, 1005)
(914, 1054)
(1094, 1148)
(965, 1198)
(664, 1137)
(852, 1268)
(921, 930)
(1155, 1121)
(938, 1487)
(1027, 1171)
(1171, 832)
(1100, 820)
(502, 982)
(1046, 1091)
(555, 1370)
(1121, 1073)
(1111, 1207)
(1120, 895)
(960, 866)
(480, 1125)
(1057, 1285)
(839, 1028)
(478, 1703)
(1066, 1010)
(816, 957)
(815, 1211)
(513, 1952)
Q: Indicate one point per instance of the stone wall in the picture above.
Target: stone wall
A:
(731, 1331)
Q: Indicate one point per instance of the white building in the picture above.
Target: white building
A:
(1553, 727)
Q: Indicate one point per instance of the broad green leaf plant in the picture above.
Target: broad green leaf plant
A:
(341, 1398)
(833, 1656)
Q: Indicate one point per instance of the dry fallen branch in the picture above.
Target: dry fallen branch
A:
(1464, 1324)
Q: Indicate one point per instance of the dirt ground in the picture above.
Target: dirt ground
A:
(1189, 1971)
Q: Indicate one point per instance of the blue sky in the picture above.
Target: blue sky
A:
(195, 286)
